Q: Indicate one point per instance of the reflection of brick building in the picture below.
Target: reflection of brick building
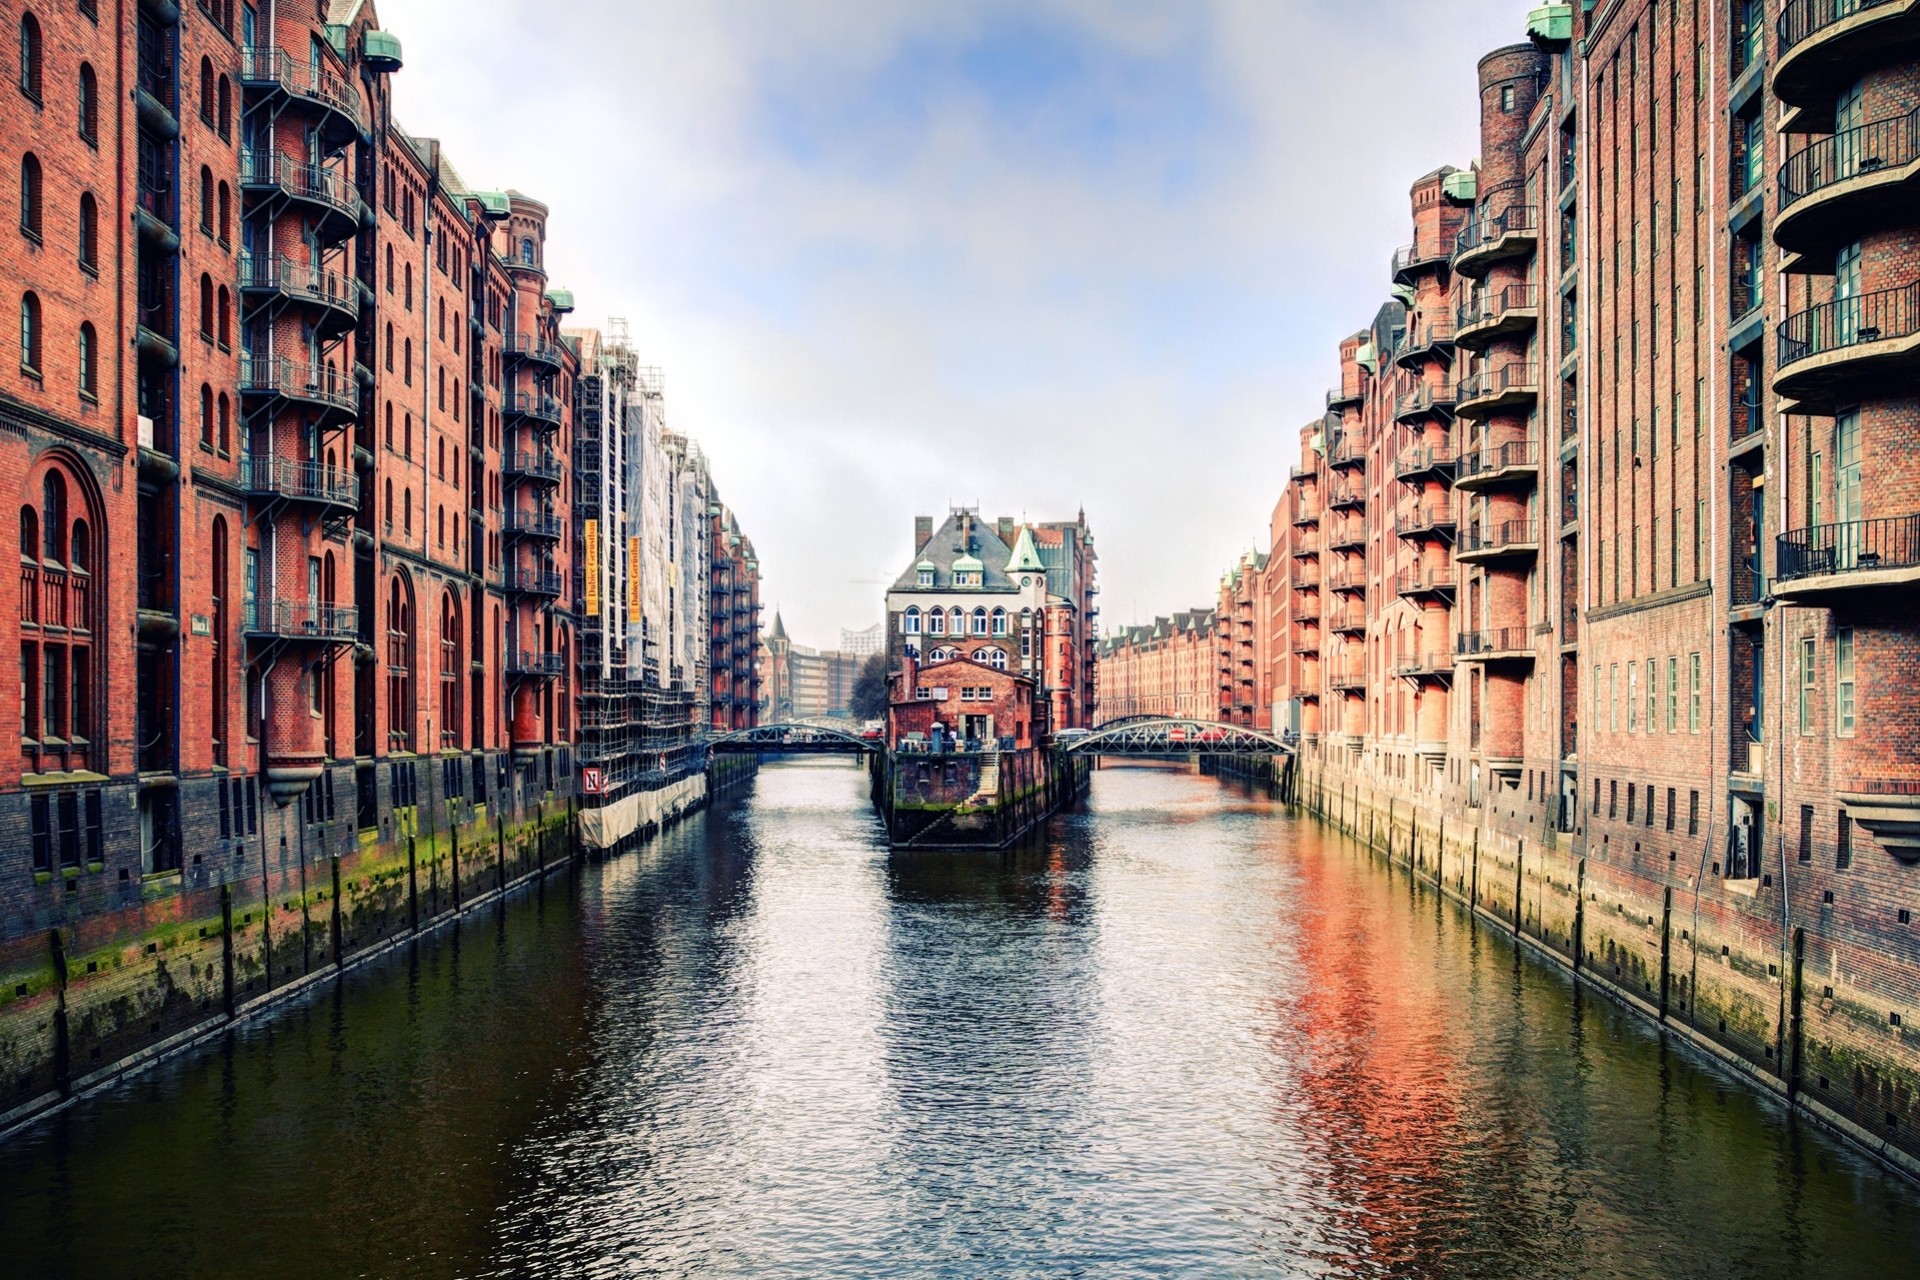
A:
(1016, 597)
(974, 706)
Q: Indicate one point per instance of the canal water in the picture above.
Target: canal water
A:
(1184, 1035)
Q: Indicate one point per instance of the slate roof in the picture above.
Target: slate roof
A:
(951, 542)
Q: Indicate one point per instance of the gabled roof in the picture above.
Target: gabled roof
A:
(962, 536)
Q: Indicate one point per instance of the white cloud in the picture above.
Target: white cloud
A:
(878, 284)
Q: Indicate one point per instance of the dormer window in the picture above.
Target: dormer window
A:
(926, 577)
(966, 578)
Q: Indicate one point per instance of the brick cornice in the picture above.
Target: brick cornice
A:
(1673, 595)
(25, 418)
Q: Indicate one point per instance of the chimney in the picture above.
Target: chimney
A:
(922, 533)
(1004, 526)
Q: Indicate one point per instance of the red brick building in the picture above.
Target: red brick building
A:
(1170, 668)
(1579, 587)
(976, 706)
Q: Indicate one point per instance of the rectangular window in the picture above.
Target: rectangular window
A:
(42, 813)
(1649, 818)
(1653, 693)
(1673, 695)
(1843, 688)
(1806, 833)
(1693, 813)
(1632, 793)
(68, 835)
(1672, 807)
(1613, 799)
(1613, 697)
(1633, 697)
(1843, 842)
(1693, 693)
(226, 817)
(1806, 685)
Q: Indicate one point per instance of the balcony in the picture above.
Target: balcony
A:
(1347, 453)
(1425, 584)
(1349, 619)
(1306, 517)
(1505, 540)
(1347, 535)
(291, 480)
(544, 410)
(1510, 388)
(1347, 575)
(532, 582)
(1340, 398)
(1485, 318)
(1348, 678)
(524, 662)
(155, 217)
(331, 102)
(1839, 186)
(1424, 462)
(522, 523)
(1512, 233)
(1826, 44)
(1426, 401)
(1501, 644)
(300, 621)
(1425, 520)
(1307, 641)
(1411, 260)
(1347, 495)
(269, 177)
(1423, 342)
(1435, 665)
(334, 298)
(1858, 555)
(540, 465)
(1492, 466)
(273, 383)
(1306, 545)
(529, 348)
(1851, 348)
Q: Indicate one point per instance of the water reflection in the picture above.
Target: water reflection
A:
(1184, 1034)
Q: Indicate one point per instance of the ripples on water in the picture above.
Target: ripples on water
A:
(1187, 1035)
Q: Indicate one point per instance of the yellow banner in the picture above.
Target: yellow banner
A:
(633, 581)
(592, 540)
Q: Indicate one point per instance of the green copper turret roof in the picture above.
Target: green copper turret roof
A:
(1026, 557)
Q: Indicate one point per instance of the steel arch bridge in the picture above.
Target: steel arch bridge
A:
(1143, 736)
(795, 738)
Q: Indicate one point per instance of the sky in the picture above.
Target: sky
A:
(1032, 257)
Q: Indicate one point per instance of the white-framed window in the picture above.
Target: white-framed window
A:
(1844, 706)
(910, 621)
(992, 657)
(999, 622)
(1673, 695)
(1693, 693)
(979, 622)
(1613, 697)
(1653, 694)
(936, 623)
(958, 619)
(1633, 697)
(925, 577)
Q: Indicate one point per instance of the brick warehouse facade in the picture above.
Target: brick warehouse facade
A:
(288, 424)
(1579, 600)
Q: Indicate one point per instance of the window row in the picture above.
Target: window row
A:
(86, 348)
(939, 622)
(1664, 680)
(86, 223)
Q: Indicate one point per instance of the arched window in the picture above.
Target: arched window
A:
(30, 56)
(30, 332)
(206, 417)
(30, 195)
(526, 251)
(910, 621)
(389, 346)
(958, 621)
(936, 622)
(88, 237)
(226, 425)
(407, 350)
(89, 361)
(218, 674)
(992, 657)
(57, 676)
(400, 711)
(226, 214)
(440, 460)
(449, 672)
(389, 506)
(440, 526)
(999, 621)
(406, 512)
(389, 290)
(406, 436)
(389, 425)
(980, 621)
(206, 90)
(226, 108)
(206, 306)
(88, 103)
(225, 313)
(206, 199)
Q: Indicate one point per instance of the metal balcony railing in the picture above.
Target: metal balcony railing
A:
(1500, 457)
(301, 620)
(1426, 398)
(1508, 379)
(1431, 662)
(527, 346)
(312, 183)
(526, 404)
(302, 481)
(1409, 582)
(1801, 20)
(301, 282)
(1883, 144)
(535, 524)
(1487, 230)
(539, 582)
(525, 662)
(1422, 459)
(1853, 546)
(273, 69)
(1494, 304)
(1497, 640)
(1847, 322)
(1498, 537)
(267, 375)
(537, 465)
(1423, 517)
